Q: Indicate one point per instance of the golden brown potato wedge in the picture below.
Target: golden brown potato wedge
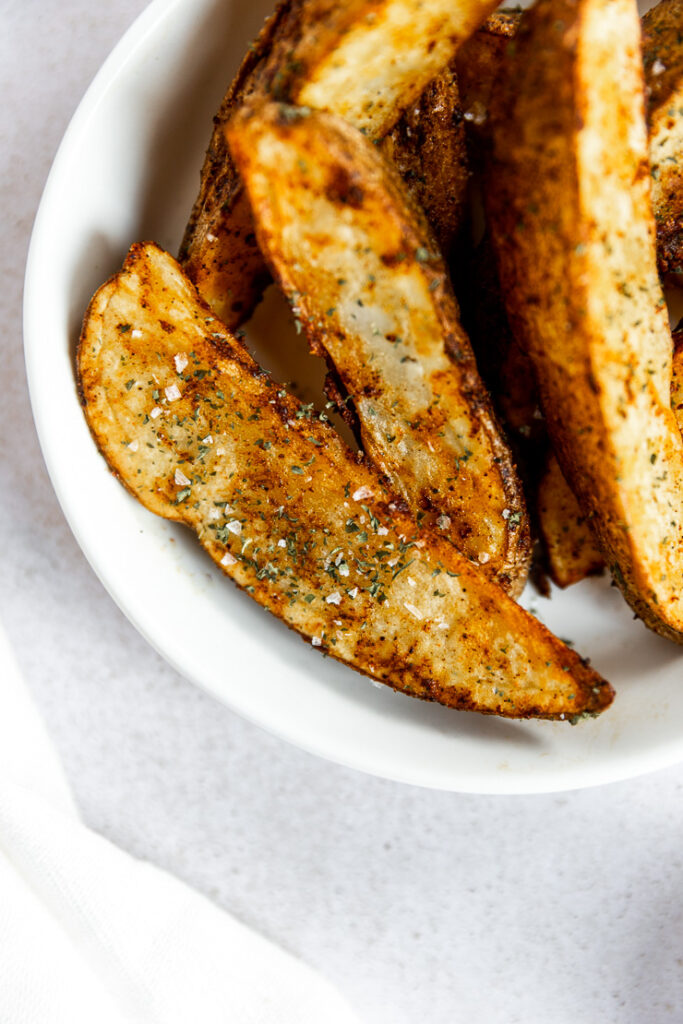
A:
(571, 550)
(570, 215)
(201, 435)
(366, 284)
(663, 61)
(369, 61)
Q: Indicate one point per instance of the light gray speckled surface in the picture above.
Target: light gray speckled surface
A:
(419, 905)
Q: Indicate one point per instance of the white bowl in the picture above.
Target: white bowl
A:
(127, 170)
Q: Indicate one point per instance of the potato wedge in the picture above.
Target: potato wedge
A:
(369, 61)
(571, 550)
(570, 216)
(365, 283)
(663, 61)
(201, 435)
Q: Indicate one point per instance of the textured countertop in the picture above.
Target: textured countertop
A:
(419, 905)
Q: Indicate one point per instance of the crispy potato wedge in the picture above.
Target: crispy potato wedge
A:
(369, 61)
(569, 199)
(663, 61)
(360, 270)
(571, 549)
(197, 432)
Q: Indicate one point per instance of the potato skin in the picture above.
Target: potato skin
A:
(570, 215)
(195, 430)
(570, 548)
(663, 62)
(477, 63)
(429, 150)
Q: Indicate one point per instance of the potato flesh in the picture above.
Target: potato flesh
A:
(384, 60)
(199, 434)
(372, 294)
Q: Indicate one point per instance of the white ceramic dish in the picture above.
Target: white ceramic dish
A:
(128, 169)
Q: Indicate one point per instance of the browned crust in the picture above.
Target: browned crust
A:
(229, 272)
(477, 63)
(428, 148)
(663, 63)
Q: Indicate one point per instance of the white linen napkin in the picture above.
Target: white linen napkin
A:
(89, 934)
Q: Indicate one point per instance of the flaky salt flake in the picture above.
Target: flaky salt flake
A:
(228, 558)
(282, 543)
(180, 361)
(156, 411)
(362, 494)
(211, 238)
(506, 513)
(354, 592)
(382, 531)
(172, 392)
(483, 557)
(133, 446)
(234, 526)
(443, 521)
(136, 333)
(412, 609)
(334, 598)
(343, 569)
(181, 479)
(316, 641)
(658, 68)
(477, 113)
